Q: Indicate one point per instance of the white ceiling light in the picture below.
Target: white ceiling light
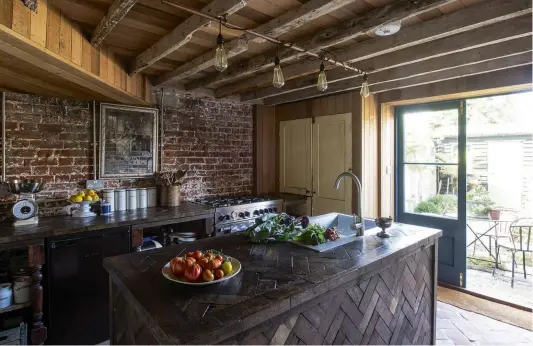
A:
(388, 29)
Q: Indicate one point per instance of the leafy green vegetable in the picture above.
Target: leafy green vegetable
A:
(282, 227)
(279, 227)
(314, 234)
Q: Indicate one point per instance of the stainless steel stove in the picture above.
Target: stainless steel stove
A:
(236, 213)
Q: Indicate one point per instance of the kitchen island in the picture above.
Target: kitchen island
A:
(372, 290)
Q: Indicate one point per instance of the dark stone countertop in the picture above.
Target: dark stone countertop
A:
(274, 278)
(60, 225)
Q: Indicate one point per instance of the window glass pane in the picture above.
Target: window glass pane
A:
(499, 156)
(431, 136)
(431, 189)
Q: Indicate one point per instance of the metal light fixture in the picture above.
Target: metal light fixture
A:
(364, 87)
(277, 79)
(322, 82)
(221, 59)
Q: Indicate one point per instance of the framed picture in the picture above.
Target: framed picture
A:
(128, 141)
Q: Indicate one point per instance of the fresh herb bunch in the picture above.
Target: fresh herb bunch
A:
(279, 227)
(314, 234)
(283, 227)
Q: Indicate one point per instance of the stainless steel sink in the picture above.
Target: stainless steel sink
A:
(342, 222)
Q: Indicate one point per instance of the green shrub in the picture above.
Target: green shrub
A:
(479, 201)
(439, 204)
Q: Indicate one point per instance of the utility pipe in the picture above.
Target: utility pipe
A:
(161, 130)
(94, 141)
(3, 136)
(265, 37)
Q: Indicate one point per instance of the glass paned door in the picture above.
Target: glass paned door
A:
(431, 178)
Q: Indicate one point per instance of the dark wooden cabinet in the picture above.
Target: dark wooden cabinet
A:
(77, 291)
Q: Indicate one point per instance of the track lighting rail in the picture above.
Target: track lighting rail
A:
(229, 25)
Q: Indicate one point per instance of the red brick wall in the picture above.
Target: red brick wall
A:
(51, 139)
(213, 140)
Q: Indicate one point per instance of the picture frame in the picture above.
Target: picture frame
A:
(129, 141)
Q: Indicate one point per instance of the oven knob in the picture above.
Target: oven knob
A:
(241, 214)
(261, 211)
(221, 218)
(256, 213)
(233, 215)
(227, 217)
(246, 214)
(269, 210)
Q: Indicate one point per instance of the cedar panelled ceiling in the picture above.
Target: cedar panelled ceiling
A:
(149, 20)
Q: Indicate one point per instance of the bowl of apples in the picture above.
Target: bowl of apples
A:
(197, 268)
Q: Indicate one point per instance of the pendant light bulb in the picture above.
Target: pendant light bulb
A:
(277, 79)
(322, 83)
(365, 91)
(221, 59)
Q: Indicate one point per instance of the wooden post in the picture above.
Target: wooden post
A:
(38, 331)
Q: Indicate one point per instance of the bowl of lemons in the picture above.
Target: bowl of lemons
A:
(84, 199)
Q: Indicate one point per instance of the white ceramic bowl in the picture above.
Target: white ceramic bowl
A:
(167, 273)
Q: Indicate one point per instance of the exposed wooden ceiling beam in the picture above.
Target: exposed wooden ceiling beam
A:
(514, 79)
(183, 33)
(117, 11)
(395, 11)
(444, 26)
(278, 26)
(469, 42)
(402, 78)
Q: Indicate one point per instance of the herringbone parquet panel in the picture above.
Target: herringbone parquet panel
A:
(394, 306)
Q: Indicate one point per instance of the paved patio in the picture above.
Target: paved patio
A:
(499, 286)
(480, 265)
(460, 327)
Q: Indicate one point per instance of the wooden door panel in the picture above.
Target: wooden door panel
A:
(295, 156)
(332, 144)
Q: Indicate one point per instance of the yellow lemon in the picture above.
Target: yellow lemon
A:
(96, 197)
(76, 199)
(88, 199)
(91, 192)
(81, 193)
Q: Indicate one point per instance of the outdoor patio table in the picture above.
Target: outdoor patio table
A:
(495, 229)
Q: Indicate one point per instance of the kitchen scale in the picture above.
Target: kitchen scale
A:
(25, 210)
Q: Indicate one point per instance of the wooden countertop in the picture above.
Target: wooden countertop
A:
(60, 225)
(274, 278)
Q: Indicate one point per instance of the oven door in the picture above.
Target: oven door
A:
(232, 227)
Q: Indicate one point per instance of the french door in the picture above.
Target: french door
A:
(431, 178)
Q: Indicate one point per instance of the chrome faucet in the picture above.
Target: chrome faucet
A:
(358, 227)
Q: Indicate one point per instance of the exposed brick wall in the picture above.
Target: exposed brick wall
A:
(213, 140)
(51, 139)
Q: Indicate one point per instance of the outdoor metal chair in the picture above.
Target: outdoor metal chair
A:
(520, 240)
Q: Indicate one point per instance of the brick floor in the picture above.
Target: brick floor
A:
(460, 327)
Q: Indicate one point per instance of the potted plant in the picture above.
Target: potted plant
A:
(170, 190)
(494, 214)
(479, 202)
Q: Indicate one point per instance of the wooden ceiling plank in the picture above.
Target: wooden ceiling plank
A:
(286, 22)
(116, 12)
(450, 55)
(424, 77)
(445, 26)
(183, 33)
(398, 10)
(32, 53)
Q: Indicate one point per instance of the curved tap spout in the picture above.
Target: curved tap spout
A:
(357, 183)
